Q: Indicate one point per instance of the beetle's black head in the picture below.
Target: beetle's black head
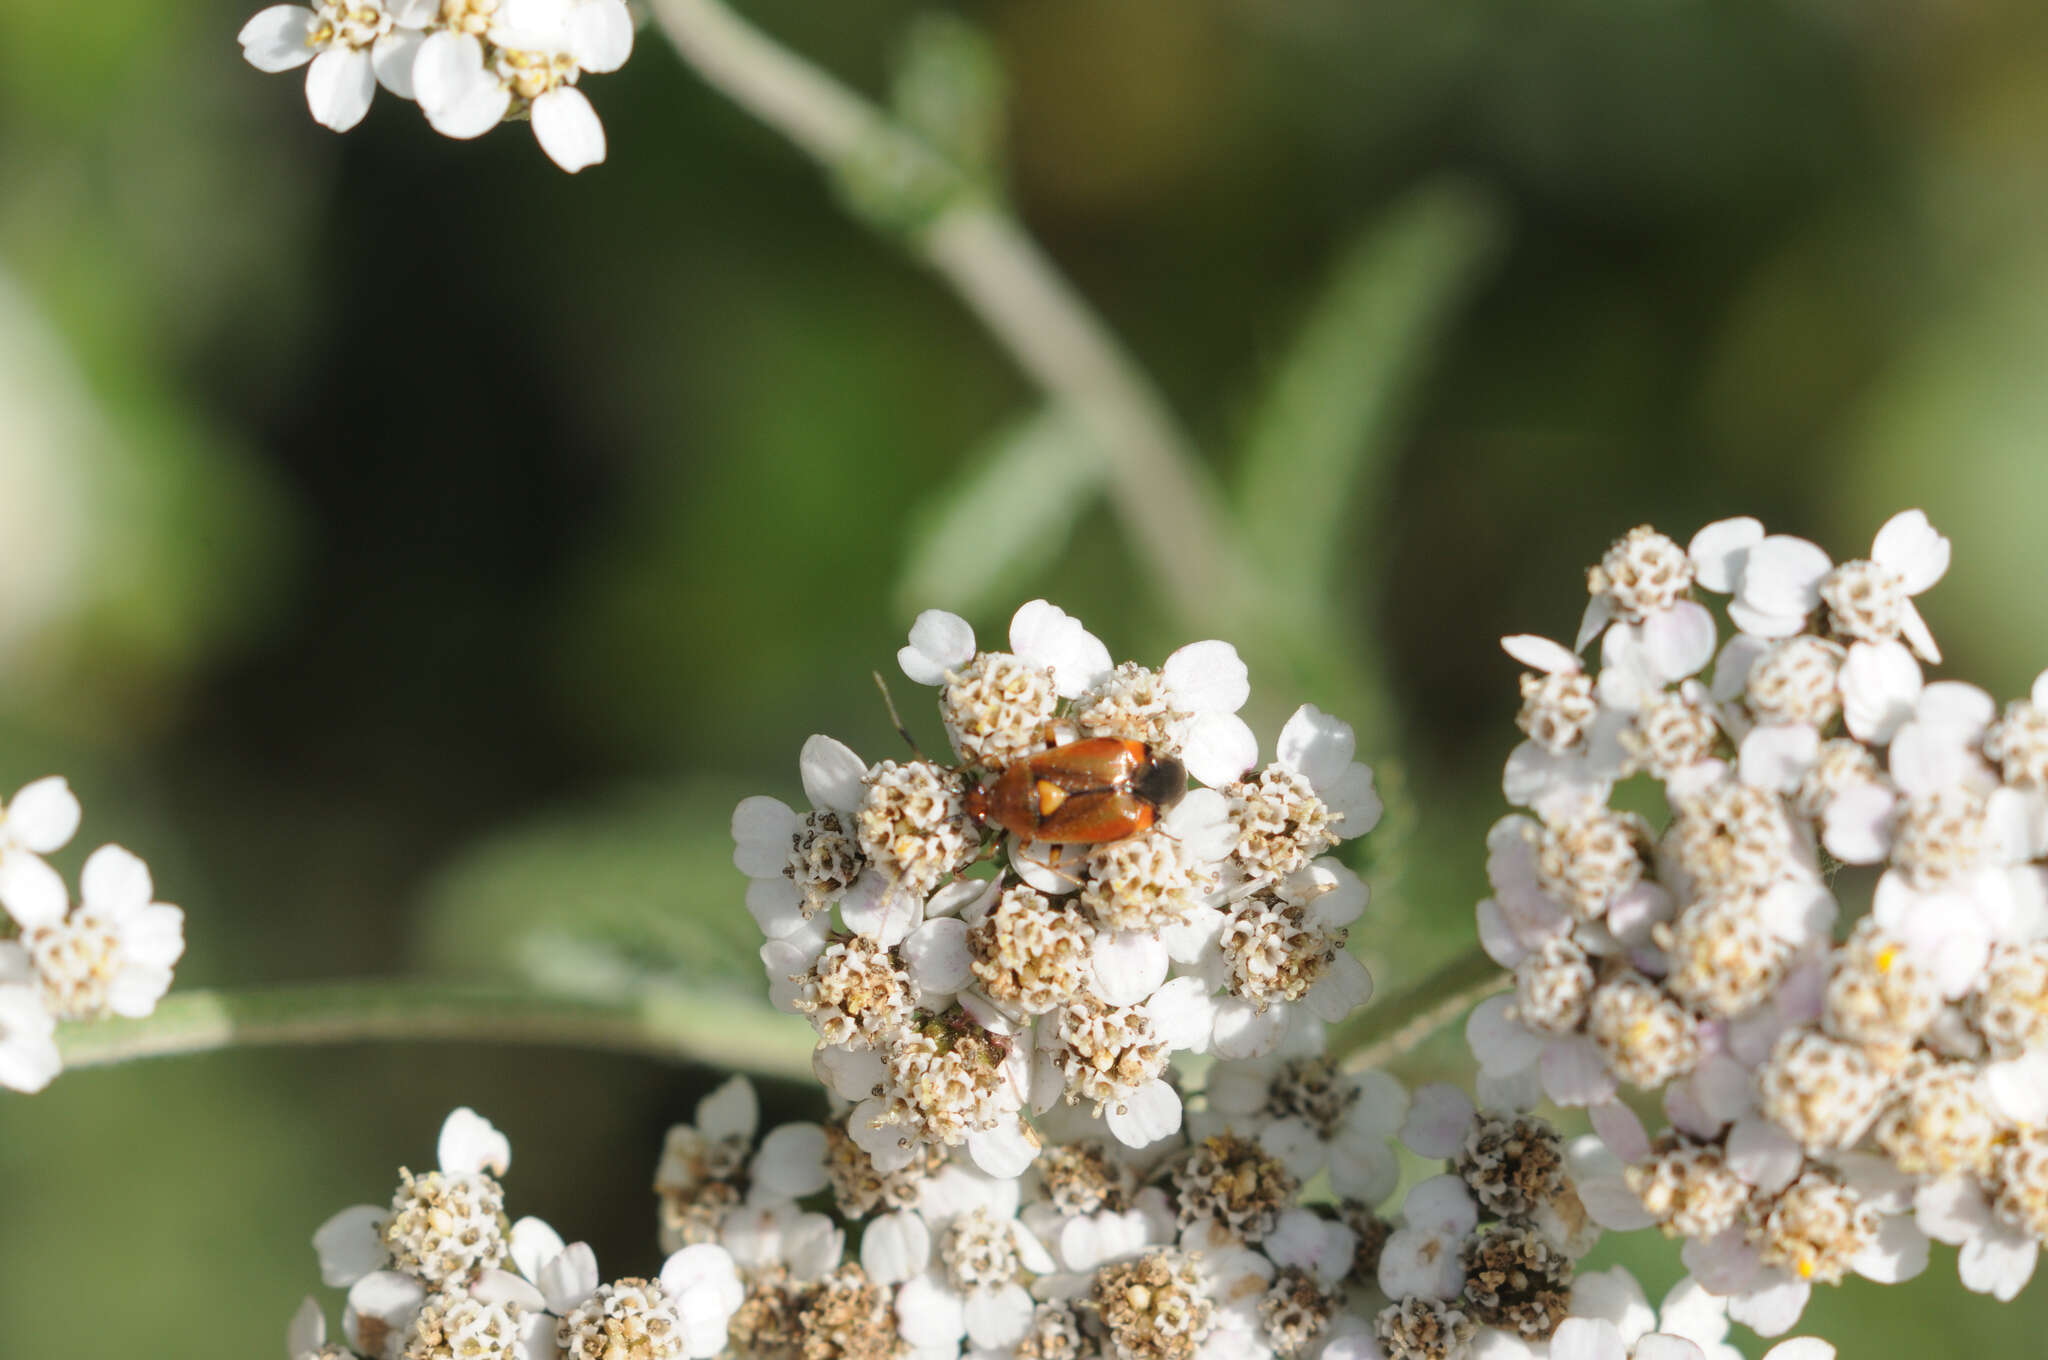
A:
(1163, 781)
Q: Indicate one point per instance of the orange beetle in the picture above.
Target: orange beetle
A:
(1083, 793)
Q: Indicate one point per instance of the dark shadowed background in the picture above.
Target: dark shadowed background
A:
(414, 552)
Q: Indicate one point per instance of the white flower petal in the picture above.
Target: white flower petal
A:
(731, 1110)
(534, 1244)
(1541, 654)
(1243, 1031)
(1721, 549)
(1128, 966)
(1782, 576)
(1217, 748)
(1202, 823)
(568, 1277)
(1912, 547)
(1574, 1073)
(1858, 829)
(388, 1296)
(568, 128)
(1046, 635)
(895, 1247)
(928, 1313)
(762, 832)
(1772, 1308)
(351, 1245)
(1439, 1116)
(33, 893)
(276, 39)
(1316, 746)
(834, 777)
(1002, 1152)
(1776, 756)
(601, 34)
(1208, 677)
(339, 86)
(1898, 1254)
(308, 1330)
(44, 816)
(1660, 1346)
(1579, 1338)
(115, 884)
(937, 957)
(939, 642)
(1999, 1263)
(1881, 684)
(470, 1142)
(392, 57)
(1148, 1114)
(1499, 1042)
(1801, 1348)
(1679, 641)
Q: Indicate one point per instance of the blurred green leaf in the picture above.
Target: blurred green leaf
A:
(1325, 430)
(949, 90)
(1006, 515)
(633, 890)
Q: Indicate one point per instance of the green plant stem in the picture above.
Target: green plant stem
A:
(711, 1030)
(1157, 482)
(1386, 1031)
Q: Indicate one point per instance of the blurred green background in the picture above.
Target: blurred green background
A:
(414, 552)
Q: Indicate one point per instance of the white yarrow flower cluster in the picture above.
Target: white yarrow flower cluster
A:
(1842, 1078)
(442, 1274)
(109, 953)
(1128, 918)
(469, 64)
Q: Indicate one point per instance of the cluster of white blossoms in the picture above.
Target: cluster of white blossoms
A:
(1121, 916)
(442, 1274)
(1008, 1166)
(469, 64)
(1828, 952)
(109, 953)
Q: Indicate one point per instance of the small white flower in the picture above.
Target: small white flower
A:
(113, 953)
(1996, 1258)
(798, 866)
(354, 46)
(536, 50)
(1421, 1257)
(703, 1283)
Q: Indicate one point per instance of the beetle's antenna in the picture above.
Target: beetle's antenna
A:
(895, 717)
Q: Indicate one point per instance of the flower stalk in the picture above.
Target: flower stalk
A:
(666, 1026)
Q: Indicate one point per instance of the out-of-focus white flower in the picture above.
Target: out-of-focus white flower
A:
(530, 58)
(353, 47)
(39, 820)
(112, 954)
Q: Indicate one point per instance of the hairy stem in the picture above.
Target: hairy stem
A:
(1386, 1031)
(951, 222)
(670, 1026)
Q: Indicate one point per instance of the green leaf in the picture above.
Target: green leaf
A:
(1005, 515)
(631, 891)
(949, 90)
(1327, 426)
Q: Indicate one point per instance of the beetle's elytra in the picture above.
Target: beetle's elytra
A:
(1083, 793)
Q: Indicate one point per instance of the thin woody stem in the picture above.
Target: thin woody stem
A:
(1156, 480)
(1387, 1031)
(649, 1024)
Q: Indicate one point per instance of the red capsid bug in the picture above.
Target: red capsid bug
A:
(1087, 792)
